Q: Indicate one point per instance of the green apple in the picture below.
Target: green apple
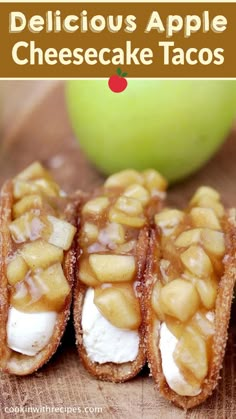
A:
(173, 126)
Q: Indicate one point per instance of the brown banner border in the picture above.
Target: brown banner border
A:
(204, 43)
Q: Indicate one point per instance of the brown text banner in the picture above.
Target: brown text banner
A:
(83, 40)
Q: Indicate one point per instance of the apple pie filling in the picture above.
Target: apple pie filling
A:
(110, 262)
(184, 295)
(39, 237)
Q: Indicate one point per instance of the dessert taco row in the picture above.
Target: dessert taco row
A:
(37, 262)
(150, 283)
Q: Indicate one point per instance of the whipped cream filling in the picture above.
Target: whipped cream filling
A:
(103, 341)
(173, 376)
(29, 333)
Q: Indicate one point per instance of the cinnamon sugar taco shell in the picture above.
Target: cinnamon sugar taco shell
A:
(113, 241)
(187, 297)
(37, 263)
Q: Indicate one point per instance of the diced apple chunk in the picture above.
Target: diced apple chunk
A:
(204, 217)
(48, 187)
(138, 192)
(44, 290)
(127, 288)
(86, 274)
(125, 248)
(202, 192)
(119, 217)
(26, 227)
(23, 187)
(53, 285)
(40, 254)
(116, 233)
(203, 324)
(191, 354)
(196, 261)
(34, 171)
(16, 270)
(179, 299)
(29, 187)
(206, 197)
(21, 298)
(119, 309)
(26, 204)
(124, 178)
(113, 268)
(207, 290)
(213, 242)
(168, 220)
(217, 207)
(129, 206)
(188, 237)
(90, 231)
(96, 206)
(113, 233)
(62, 233)
(154, 181)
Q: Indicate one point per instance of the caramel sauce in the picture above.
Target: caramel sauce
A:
(106, 245)
(115, 232)
(39, 288)
(194, 367)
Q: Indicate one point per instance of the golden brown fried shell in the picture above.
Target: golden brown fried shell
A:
(10, 361)
(111, 371)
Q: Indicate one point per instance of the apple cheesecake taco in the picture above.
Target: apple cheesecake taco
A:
(113, 241)
(189, 286)
(37, 265)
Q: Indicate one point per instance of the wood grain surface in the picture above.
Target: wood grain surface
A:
(36, 126)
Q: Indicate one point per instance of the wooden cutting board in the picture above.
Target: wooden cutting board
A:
(41, 130)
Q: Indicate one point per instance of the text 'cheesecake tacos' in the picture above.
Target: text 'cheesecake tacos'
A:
(36, 269)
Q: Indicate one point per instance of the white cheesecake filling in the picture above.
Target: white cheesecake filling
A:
(29, 333)
(103, 341)
(173, 376)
